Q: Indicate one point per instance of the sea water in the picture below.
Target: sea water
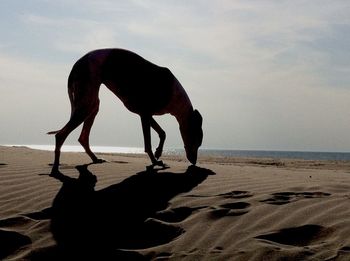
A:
(305, 155)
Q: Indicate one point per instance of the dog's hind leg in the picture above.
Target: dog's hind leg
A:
(85, 133)
(76, 119)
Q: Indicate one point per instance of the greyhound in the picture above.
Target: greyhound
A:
(145, 89)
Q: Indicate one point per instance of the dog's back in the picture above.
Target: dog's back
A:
(143, 87)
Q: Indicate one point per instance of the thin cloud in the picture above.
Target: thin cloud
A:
(266, 74)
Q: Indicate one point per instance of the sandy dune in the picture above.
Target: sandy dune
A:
(225, 209)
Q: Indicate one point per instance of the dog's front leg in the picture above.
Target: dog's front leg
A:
(146, 128)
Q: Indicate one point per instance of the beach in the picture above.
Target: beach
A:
(223, 209)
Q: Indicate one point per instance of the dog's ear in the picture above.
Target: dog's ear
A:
(197, 118)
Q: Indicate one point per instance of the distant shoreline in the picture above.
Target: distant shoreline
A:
(216, 153)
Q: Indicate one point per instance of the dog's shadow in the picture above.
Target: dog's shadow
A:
(89, 222)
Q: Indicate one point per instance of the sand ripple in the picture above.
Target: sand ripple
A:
(119, 211)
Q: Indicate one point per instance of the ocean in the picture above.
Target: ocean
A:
(304, 155)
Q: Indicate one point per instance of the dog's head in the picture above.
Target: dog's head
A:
(192, 135)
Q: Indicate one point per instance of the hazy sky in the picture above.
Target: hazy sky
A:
(264, 74)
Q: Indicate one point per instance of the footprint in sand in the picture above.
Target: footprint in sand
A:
(298, 236)
(232, 194)
(282, 198)
(63, 166)
(230, 210)
(217, 250)
(179, 214)
(163, 256)
(345, 249)
(236, 194)
(175, 215)
(344, 253)
(119, 162)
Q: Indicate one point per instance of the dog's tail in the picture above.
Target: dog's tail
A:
(71, 92)
(52, 132)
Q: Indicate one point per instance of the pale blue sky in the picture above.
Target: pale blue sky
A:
(271, 75)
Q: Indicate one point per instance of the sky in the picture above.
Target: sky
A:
(265, 75)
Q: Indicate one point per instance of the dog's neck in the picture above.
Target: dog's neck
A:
(180, 105)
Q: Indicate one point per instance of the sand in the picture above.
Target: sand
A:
(225, 209)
